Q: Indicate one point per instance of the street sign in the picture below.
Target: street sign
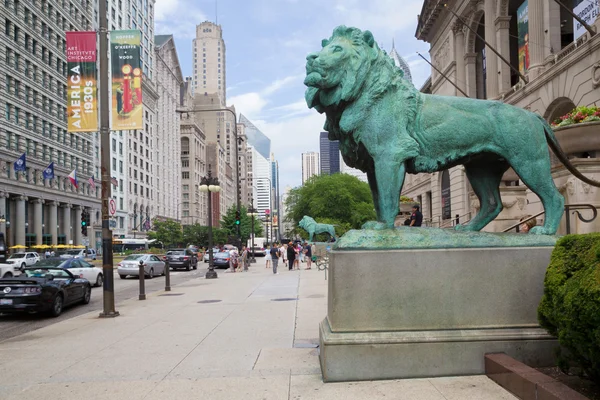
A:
(85, 241)
(112, 206)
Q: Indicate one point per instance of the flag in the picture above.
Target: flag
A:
(49, 171)
(73, 178)
(114, 181)
(92, 182)
(21, 163)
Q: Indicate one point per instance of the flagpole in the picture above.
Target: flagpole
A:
(107, 248)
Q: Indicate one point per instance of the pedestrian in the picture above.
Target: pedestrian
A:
(297, 253)
(308, 256)
(47, 254)
(274, 253)
(233, 260)
(244, 258)
(52, 253)
(282, 251)
(525, 227)
(268, 257)
(291, 255)
(416, 218)
(301, 251)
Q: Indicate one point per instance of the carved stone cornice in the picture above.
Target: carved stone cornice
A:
(458, 27)
(503, 22)
(38, 201)
(21, 198)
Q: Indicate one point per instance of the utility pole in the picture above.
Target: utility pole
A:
(108, 289)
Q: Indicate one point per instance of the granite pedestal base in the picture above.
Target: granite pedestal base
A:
(432, 312)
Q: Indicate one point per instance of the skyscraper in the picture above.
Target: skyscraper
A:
(209, 61)
(256, 138)
(330, 155)
(310, 165)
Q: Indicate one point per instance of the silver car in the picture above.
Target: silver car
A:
(130, 266)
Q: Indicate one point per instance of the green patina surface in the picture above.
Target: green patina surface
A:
(314, 228)
(387, 128)
(436, 238)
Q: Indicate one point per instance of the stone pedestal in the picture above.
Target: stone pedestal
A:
(432, 312)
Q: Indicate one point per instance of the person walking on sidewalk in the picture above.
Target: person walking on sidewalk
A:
(291, 255)
(275, 257)
(308, 255)
(283, 252)
(244, 258)
(268, 256)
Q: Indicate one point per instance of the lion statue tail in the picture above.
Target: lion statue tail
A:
(559, 152)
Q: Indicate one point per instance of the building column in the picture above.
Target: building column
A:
(19, 223)
(37, 220)
(503, 41)
(536, 35)
(77, 226)
(490, 57)
(52, 224)
(471, 74)
(3, 213)
(66, 222)
(459, 56)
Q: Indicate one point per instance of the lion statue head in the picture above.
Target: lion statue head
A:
(338, 73)
(305, 222)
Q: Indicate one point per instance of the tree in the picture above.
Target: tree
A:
(339, 199)
(229, 225)
(167, 232)
(197, 234)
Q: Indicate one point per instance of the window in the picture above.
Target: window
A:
(185, 175)
(121, 166)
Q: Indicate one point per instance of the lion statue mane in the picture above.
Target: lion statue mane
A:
(386, 128)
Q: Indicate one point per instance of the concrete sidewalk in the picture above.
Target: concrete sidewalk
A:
(255, 338)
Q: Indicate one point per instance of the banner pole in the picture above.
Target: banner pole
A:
(107, 247)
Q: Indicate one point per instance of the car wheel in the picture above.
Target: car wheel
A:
(8, 275)
(57, 306)
(23, 266)
(196, 265)
(187, 268)
(163, 272)
(87, 294)
(99, 280)
(122, 276)
(151, 274)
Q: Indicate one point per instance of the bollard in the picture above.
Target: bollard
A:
(167, 276)
(142, 277)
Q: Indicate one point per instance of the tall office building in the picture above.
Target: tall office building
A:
(330, 155)
(275, 212)
(261, 176)
(310, 165)
(256, 138)
(33, 95)
(209, 61)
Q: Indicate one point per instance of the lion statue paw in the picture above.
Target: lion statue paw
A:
(540, 230)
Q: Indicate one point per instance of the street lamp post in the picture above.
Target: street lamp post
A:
(252, 213)
(210, 185)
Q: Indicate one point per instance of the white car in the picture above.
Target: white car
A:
(75, 253)
(9, 271)
(130, 266)
(78, 267)
(22, 260)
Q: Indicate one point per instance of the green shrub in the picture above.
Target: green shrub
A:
(570, 307)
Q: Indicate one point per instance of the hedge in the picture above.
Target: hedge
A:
(570, 307)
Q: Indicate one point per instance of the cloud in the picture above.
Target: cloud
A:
(177, 17)
(279, 84)
(249, 104)
(388, 16)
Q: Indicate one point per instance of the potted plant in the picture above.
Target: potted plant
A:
(579, 130)
(406, 204)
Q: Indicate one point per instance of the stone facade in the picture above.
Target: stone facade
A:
(563, 72)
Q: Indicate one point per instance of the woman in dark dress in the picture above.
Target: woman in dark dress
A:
(291, 255)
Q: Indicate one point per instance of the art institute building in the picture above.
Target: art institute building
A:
(546, 62)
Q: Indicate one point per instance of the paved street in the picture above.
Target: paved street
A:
(243, 336)
(13, 325)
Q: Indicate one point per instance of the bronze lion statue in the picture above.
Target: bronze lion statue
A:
(387, 128)
(313, 227)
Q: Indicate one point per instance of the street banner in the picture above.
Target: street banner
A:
(523, 31)
(82, 85)
(587, 10)
(21, 164)
(126, 76)
(49, 171)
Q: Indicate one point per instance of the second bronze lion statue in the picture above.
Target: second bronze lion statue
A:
(387, 128)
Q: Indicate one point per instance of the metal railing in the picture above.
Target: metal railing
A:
(569, 209)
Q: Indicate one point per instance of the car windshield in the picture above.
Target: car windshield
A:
(52, 262)
(134, 257)
(17, 255)
(73, 252)
(41, 272)
(175, 253)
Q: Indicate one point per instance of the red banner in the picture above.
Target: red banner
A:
(82, 89)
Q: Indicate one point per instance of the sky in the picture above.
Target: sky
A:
(267, 42)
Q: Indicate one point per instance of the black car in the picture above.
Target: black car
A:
(182, 258)
(43, 289)
(221, 259)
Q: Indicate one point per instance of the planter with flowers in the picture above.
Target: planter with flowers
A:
(579, 130)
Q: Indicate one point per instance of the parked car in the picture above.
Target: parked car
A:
(77, 266)
(91, 254)
(130, 266)
(43, 289)
(9, 270)
(25, 259)
(221, 259)
(182, 258)
(258, 251)
(215, 251)
(75, 253)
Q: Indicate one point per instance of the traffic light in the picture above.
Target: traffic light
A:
(237, 217)
(85, 221)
